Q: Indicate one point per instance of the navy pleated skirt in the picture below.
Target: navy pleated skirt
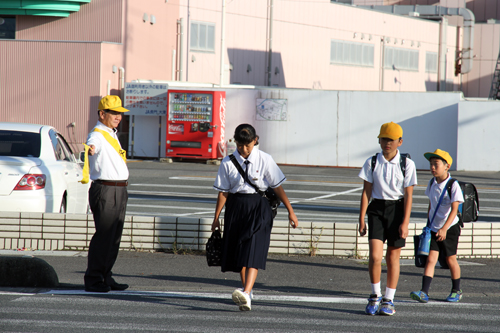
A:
(247, 232)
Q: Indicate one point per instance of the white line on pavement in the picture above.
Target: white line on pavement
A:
(275, 298)
(334, 194)
(165, 207)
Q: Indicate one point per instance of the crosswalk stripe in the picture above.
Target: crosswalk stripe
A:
(273, 298)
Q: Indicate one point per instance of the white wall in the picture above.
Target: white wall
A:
(429, 121)
(340, 128)
(478, 139)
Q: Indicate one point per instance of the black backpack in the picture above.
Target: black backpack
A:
(402, 162)
(468, 211)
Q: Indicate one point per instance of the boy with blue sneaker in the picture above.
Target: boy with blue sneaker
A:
(445, 228)
(389, 178)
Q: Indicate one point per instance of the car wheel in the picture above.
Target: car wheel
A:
(62, 210)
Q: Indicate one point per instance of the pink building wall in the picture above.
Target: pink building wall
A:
(302, 32)
(477, 83)
(147, 48)
(58, 69)
(487, 44)
(482, 9)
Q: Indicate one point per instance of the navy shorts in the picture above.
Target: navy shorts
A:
(449, 246)
(384, 219)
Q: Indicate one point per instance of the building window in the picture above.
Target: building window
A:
(431, 62)
(401, 59)
(7, 27)
(351, 53)
(202, 37)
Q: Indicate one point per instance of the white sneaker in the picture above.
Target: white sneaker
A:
(242, 299)
(251, 292)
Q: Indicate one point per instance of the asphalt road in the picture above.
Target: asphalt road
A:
(318, 194)
(180, 293)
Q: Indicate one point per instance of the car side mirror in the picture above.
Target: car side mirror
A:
(82, 157)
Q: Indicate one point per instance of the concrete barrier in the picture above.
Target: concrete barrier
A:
(49, 231)
(26, 271)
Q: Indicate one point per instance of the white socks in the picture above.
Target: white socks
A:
(389, 293)
(376, 289)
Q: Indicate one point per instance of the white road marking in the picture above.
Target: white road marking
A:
(199, 213)
(13, 293)
(259, 297)
(334, 194)
(165, 207)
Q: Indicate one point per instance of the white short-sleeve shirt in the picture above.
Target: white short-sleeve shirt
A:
(106, 163)
(434, 193)
(262, 171)
(387, 177)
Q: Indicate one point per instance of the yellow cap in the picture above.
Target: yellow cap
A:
(111, 102)
(440, 154)
(391, 131)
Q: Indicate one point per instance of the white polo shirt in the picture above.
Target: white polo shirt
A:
(106, 163)
(262, 171)
(434, 193)
(387, 178)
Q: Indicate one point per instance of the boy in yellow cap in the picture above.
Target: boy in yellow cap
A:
(389, 178)
(445, 229)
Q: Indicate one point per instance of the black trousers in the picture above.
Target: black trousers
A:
(108, 204)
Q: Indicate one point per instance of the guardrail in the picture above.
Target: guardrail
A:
(49, 231)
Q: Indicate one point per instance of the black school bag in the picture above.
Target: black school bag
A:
(402, 162)
(468, 211)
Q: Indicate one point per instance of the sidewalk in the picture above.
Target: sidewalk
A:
(284, 275)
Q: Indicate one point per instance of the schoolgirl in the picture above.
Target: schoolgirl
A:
(248, 217)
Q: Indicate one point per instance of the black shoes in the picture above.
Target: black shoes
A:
(118, 286)
(101, 287)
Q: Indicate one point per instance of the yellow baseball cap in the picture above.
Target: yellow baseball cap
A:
(440, 154)
(111, 102)
(391, 131)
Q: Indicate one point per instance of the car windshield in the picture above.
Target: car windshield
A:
(22, 144)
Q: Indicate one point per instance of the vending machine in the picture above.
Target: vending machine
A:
(196, 124)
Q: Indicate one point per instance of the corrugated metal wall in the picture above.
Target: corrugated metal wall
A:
(53, 83)
(100, 20)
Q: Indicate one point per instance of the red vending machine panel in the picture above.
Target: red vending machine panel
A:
(195, 124)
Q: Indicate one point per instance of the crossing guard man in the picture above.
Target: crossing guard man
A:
(107, 168)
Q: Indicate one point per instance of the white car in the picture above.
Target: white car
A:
(39, 172)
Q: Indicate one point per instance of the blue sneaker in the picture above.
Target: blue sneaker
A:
(387, 307)
(455, 296)
(419, 296)
(373, 304)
